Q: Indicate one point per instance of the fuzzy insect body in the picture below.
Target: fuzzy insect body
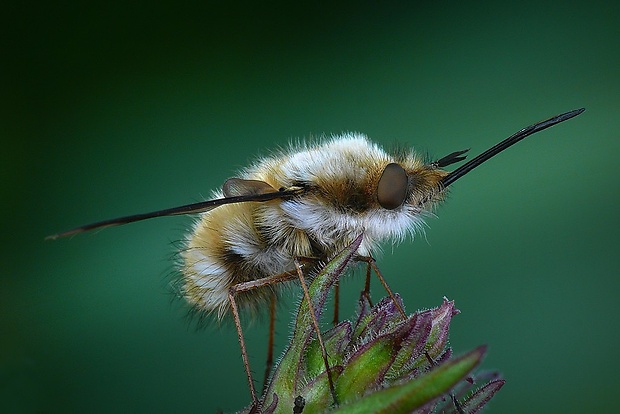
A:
(340, 179)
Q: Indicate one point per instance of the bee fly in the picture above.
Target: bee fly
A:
(281, 215)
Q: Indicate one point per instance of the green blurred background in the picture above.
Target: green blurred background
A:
(114, 108)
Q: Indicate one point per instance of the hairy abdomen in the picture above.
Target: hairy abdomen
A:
(234, 244)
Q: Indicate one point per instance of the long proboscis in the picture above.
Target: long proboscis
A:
(194, 208)
(508, 142)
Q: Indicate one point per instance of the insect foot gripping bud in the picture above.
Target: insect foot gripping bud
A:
(378, 361)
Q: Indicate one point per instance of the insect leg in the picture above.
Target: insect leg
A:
(244, 353)
(319, 337)
(372, 263)
(272, 280)
(366, 291)
(272, 322)
(242, 287)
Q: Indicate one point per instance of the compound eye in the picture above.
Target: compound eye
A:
(392, 188)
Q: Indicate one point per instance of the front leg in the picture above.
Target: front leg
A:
(372, 263)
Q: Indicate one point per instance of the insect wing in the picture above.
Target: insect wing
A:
(235, 187)
(200, 207)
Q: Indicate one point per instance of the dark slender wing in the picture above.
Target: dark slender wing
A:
(194, 208)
